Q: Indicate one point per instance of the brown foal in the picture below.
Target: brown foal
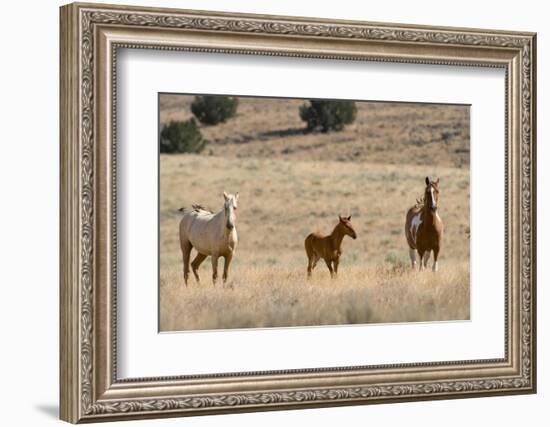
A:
(328, 247)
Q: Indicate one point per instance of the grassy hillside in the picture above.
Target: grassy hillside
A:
(388, 133)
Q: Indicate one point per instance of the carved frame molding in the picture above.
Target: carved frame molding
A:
(90, 37)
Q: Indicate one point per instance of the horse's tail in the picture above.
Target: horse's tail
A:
(308, 244)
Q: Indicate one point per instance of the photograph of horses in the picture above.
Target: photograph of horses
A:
(277, 212)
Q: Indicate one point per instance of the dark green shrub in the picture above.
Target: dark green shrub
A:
(328, 115)
(211, 110)
(181, 137)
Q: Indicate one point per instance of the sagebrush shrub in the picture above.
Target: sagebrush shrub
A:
(211, 110)
(181, 137)
(328, 115)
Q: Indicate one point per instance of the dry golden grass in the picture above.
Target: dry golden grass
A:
(281, 201)
(276, 296)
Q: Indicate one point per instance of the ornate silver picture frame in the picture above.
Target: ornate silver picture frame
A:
(91, 35)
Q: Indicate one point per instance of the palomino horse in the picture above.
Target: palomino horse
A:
(328, 247)
(210, 234)
(424, 228)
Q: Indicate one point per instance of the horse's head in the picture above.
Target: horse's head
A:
(345, 224)
(230, 206)
(431, 194)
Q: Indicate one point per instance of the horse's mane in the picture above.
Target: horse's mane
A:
(197, 208)
(419, 202)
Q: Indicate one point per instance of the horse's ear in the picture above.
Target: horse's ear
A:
(225, 196)
(437, 182)
(237, 195)
(427, 180)
(349, 217)
(340, 217)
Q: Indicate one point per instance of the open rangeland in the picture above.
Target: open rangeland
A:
(387, 133)
(281, 201)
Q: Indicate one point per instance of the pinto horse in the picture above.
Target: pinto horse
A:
(424, 228)
(328, 247)
(211, 234)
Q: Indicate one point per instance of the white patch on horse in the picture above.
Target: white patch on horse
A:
(415, 223)
(433, 198)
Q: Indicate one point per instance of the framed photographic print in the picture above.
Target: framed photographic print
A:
(319, 183)
(265, 212)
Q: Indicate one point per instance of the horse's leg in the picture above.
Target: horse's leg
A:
(315, 261)
(310, 253)
(214, 268)
(421, 257)
(336, 262)
(329, 265)
(436, 254)
(196, 264)
(226, 263)
(311, 263)
(186, 253)
(412, 256)
(426, 258)
(309, 266)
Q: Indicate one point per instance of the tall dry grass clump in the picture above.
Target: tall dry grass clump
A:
(258, 297)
